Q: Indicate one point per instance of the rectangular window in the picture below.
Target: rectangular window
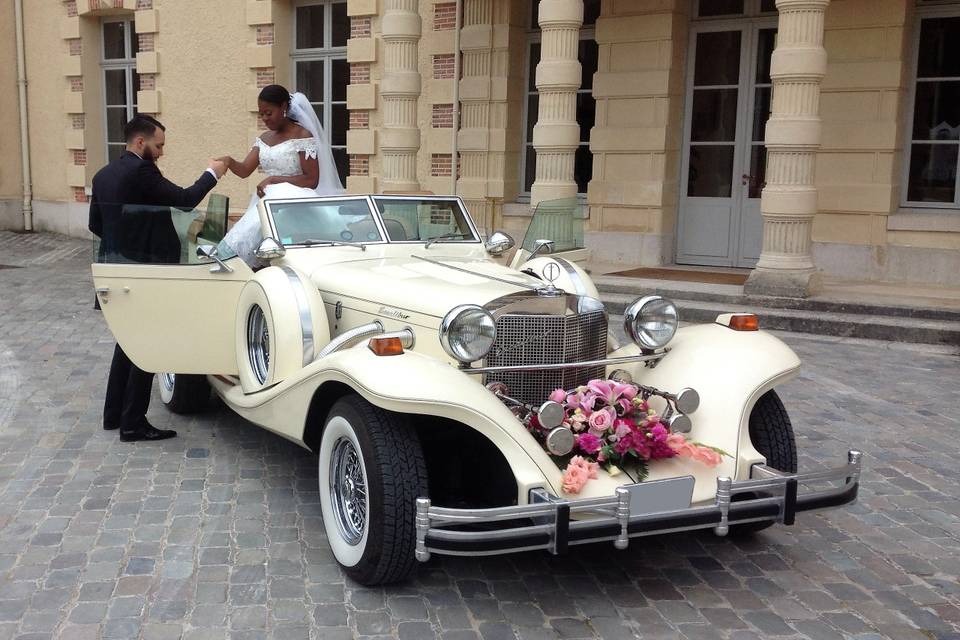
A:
(118, 62)
(732, 8)
(321, 72)
(935, 123)
(588, 55)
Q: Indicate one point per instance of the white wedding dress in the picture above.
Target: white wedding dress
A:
(283, 159)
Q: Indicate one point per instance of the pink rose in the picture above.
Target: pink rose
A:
(590, 467)
(676, 441)
(558, 395)
(600, 421)
(574, 478)
(589, 443)
(707, 456)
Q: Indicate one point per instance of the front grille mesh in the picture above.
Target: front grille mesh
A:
(545, 339)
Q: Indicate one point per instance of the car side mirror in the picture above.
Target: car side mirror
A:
(542, 246)
(209, 252)
(499, 243)
(269, 249)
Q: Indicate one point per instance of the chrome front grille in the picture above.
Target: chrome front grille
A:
(524, 339)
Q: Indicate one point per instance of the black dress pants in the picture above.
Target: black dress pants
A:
(128, 393)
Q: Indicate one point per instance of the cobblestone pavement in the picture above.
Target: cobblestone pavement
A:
(217, 533)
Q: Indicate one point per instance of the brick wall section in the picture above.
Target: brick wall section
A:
(265, 77)
(71, 8)
(359, 165)
(440, 165)
(443, 66)
(360, 73)
(359, 119)
(79, 157)
(79, 194)
(360, 27)
(265, 34)
(147, 42)
(144, 4)
(148, 82)
(76, 83)
(442, 116)
(75, 45)
(78, 121)
(444, 16)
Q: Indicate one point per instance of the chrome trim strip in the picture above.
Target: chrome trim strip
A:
(532, 287)
(578, 284)
(568, 365)
(357, 333)
(614, 520)
(306, 318)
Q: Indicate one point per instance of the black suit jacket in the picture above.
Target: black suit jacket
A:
(129, 210)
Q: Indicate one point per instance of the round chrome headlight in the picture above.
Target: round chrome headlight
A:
(651, 321)
(467, 333)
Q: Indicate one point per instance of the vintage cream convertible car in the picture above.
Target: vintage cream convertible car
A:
(386, 335)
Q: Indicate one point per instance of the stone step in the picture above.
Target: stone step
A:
(733, 295)
(832, 323)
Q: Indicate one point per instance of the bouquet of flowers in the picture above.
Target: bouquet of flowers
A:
(613, 424)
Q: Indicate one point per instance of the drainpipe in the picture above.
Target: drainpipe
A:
(456, 99)
(24, 130)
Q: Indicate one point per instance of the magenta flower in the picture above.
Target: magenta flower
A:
(589, 443)
(558, 395)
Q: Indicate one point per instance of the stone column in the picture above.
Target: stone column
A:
(557, 134)
(789, 201)
(400, 90)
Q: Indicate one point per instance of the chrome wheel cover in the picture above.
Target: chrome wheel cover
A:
(258, 343)
(168, 380)
(348, 491)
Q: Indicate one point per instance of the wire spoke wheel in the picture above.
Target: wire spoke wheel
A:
(348, 491)
(258, 343)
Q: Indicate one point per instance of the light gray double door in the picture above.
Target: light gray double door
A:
(724, 159)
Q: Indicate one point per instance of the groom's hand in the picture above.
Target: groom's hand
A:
(218, 166)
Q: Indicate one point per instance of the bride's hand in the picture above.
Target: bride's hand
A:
(264, 184)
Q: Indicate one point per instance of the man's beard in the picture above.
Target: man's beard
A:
(149, 155)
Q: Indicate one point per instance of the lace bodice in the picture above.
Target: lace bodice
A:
(284, 159)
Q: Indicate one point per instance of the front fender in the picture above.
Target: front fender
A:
(409, 383)
(730, 370)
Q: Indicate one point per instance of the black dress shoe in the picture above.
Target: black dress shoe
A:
(148, 433)
(110, 426)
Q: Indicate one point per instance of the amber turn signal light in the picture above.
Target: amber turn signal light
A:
(388, 346)
(744, 322)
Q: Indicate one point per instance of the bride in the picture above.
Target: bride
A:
(295, 156)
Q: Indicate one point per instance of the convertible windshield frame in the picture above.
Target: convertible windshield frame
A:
(374, 214)
(477, 237)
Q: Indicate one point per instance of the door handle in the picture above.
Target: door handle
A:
(745, 179)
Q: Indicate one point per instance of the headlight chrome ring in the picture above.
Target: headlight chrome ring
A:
(467, 333)
(651, 321)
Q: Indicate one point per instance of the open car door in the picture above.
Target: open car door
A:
(169, 309)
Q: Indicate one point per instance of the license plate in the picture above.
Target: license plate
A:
(671, 494)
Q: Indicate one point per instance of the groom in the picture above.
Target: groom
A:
(130, 180)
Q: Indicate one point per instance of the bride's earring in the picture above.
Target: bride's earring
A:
(284, 113)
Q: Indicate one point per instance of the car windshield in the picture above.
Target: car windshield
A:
(424, 219)
(316, 222)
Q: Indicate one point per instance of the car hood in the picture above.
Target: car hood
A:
(430, 286)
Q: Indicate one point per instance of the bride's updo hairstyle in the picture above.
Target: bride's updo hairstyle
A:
(275, 94)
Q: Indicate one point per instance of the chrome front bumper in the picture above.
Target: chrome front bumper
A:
(547, 522)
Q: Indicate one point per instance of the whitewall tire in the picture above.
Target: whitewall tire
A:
(184, 393)
(371, 472)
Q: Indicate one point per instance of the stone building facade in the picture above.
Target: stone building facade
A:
(799, 138)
